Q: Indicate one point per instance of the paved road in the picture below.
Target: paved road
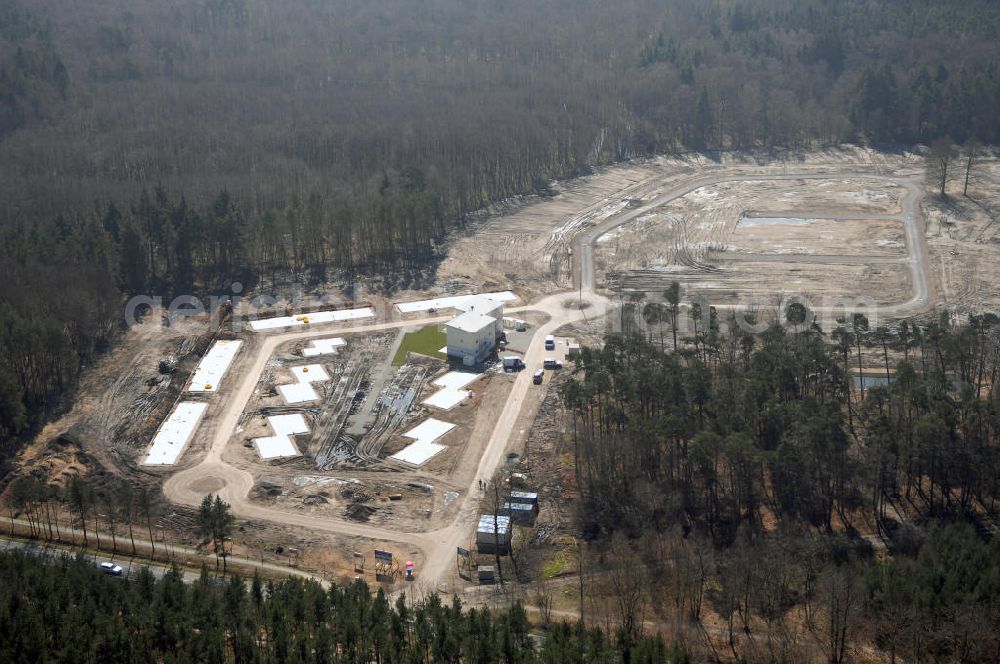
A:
(131, 566)
(438, 546)
(129, 562)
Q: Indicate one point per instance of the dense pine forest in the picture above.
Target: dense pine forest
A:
(740, 470)
(68, 611)
(172, 146)
(735, 425)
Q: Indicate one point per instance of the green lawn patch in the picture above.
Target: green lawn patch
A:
(560, 564)
(426, 341)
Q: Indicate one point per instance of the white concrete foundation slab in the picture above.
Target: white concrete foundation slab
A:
(213, 366)
(447, 399)
(323, 347)
(288, 425)
(174, 434)
(456, 380)
(275, 447)
(451, 393)
(452, 301)
(313, 373)
(419, 453)
(314, 318)
(298, 393)
(429, 430)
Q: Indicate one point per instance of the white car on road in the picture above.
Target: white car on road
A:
(111, 568)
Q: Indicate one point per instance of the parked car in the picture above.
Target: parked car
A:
(111, 568)
(537, 378)
(550, 342)
(551, 363)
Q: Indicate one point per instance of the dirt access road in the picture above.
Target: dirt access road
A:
(438, 546)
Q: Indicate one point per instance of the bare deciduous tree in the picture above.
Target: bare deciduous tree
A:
(627, 585)
(973, 153)
(543, 599)
(842, 596)
(938, 164)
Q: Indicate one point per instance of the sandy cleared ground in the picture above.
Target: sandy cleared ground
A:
(821, 238)
(963, 234)
(836, 196)
(884, 283)
(528, 245)
(759, 282)
(837, 217)
(655, 240)
(517, 246)
(867, 237)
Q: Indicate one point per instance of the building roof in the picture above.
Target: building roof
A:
(451, 302)
(486, 524)
(472, 322)
(480, 303)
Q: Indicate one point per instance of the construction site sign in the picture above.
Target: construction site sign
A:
(384, 556)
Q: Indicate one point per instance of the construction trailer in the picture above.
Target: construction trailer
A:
(494, 534)
(521, 513)
(529, 497)
(487, 575)
(515, 324)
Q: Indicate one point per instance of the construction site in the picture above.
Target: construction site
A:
(337, 431)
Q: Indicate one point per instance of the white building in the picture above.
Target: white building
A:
(471, 337)
(485, 306)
